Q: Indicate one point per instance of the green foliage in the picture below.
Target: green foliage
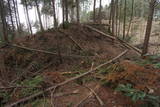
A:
(32, 83)
(157, 65)
(135, 94)
(151, 60)
(5, 97)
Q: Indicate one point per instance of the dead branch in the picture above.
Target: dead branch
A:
(97, 97)
(74, 41)
(65, 82)
(113, 38)
(130, 46)
(84, 99)
(12, 87)
(43, 51)
(100, 32)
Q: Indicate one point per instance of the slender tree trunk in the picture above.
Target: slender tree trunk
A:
(124, 20)
(54, 13)
(100, 11)
(131, 18)
(149, 27)
(66, 9)
(110, 17)
(113, 18)
(19, 21)
(72, 14)
(26, 19)
(11, 17)
(77, 6)
(4, 23)
(94, 11)
(120, 15)
(63, 13)
(39, 15)
(27, 14)
(15, 12)
(117, 13)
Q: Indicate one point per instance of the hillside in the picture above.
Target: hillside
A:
(68, 66)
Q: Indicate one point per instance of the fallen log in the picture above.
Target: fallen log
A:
(133, 47)
(113, 38)
(65, 82)
(100, 32)
(43, 51)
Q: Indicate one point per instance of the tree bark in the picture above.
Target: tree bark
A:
(149, 27)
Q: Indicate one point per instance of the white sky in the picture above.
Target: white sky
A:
(33, 16)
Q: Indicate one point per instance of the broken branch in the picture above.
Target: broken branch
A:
(65, 82)
(42, 51)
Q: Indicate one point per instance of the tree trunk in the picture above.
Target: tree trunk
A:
(15, 12)
(120, 15)
(77, 6)
(66, 9)
(27, 14)
(113, 18)
(100, 11)
(11, 17)
(94, 11)
(54, 13)
(72, 14)
(39, 15)
(124, 20)
(19, 22)
(149, 27)
(4, 23)
(63, 12)
(117, 13)
(131, 18)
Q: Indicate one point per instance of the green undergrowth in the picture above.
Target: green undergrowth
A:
(33, 86)
(137, 95)
(150, 60)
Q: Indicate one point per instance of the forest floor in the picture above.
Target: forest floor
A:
(26, 70)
